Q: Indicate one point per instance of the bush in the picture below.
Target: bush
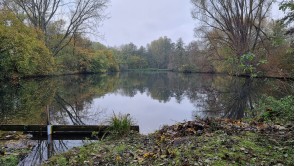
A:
(187, 68)
(276, 110)
(22, 52)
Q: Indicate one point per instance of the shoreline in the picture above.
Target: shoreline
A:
(144, 70)
(198, 142)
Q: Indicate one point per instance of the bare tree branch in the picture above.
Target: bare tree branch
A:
(41, 13)
(240, 20)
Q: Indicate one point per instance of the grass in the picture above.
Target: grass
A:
(10, 160)
(119, 124)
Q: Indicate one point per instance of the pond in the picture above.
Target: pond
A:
(152, 99)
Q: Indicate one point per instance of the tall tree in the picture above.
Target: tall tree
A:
(178, 58)
(160, 50)
(240, 22)
(83, 14)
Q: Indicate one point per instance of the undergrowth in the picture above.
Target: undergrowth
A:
(276, 110)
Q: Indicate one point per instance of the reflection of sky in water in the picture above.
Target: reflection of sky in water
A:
(148, 113)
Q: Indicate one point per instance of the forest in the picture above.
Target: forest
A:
(238, 39)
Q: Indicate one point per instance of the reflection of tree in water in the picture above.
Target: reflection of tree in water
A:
(42, 151)
(24, 102)
(72, 101)
(212, 95)
(240, 97)
(72, 112)
(70, 97)
(69, 106)
(234, 97)
(158, 88)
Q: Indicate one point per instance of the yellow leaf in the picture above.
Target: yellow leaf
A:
(118, 158)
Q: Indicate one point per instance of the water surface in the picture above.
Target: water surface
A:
(152, 99)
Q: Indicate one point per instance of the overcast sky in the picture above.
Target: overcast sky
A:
(142, 21)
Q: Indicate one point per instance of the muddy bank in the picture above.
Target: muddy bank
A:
(14, 147)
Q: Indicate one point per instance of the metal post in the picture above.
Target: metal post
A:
(49, 141)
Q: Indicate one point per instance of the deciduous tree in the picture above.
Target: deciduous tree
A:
(21, 52)
(238, 25)
(82, 15)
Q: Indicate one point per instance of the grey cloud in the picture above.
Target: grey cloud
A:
(141, 21)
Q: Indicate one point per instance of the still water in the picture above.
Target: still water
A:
(152, 99)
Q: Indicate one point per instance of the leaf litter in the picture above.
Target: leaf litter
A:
(198, 142)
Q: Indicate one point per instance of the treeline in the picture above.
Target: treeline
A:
(235, 37)
(163, 53)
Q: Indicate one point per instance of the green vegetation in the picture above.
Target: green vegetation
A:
(39, 46)
(10, 156)
(276, 110)
(119, 125)
(79, 56)
(22, 53)
(10, 160)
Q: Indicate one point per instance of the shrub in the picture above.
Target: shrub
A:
(187, 68)
(276, 110)
(22, 52)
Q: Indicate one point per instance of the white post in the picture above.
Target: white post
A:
(49, 129)
(49, 141)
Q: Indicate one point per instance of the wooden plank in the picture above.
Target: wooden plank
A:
(85, 128)
(78, 128)
(23, 127)
(67, 136)
(58, 128)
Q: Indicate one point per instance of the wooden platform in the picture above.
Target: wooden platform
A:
(65, 132)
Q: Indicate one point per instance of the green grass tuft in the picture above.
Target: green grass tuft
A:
(120, 124)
